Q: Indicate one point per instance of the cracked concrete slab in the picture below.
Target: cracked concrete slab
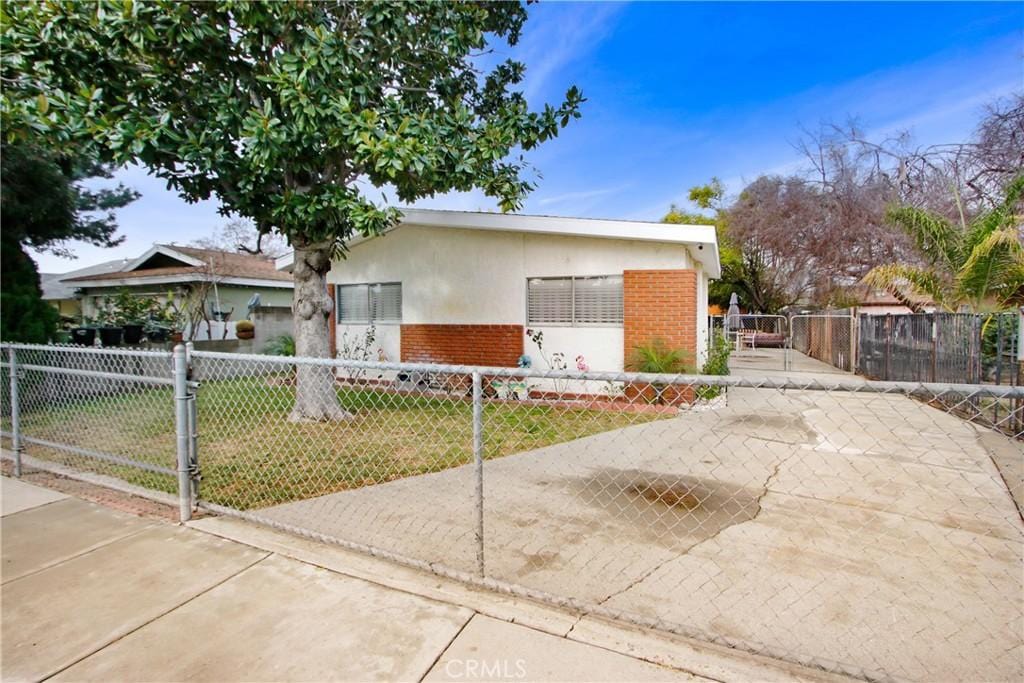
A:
(492, 650)
(844, 583)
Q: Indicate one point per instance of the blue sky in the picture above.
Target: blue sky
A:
(678, 93)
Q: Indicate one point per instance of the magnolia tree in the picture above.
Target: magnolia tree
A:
(290, 114)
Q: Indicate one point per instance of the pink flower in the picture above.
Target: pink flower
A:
(581, 364)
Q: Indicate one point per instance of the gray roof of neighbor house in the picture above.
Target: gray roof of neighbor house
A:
(55, 285)
(170, 263)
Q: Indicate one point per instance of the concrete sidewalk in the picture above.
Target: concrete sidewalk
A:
(92, 594)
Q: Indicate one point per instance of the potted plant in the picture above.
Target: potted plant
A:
(111, 324)
(84, 334)
(169, 321)
(156, 331)
(136, 313)
(244, 329)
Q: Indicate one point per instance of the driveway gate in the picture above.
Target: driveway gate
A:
(830, 339)
(759, 341)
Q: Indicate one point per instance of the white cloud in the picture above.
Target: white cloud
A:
(549, 44)
(579, 196)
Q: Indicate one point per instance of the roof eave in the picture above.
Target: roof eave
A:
(702, 238)
(241, 280)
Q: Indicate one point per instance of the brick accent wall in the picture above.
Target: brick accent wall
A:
(659, 304)
(332, 321)
(494, 345)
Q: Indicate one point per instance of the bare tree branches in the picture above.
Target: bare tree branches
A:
(242, 236)
(807, 237)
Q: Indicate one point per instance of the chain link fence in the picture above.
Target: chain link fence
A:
(941, 347)
(871, 529)
(830, 338)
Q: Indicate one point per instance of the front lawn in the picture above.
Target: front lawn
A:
(251, 456)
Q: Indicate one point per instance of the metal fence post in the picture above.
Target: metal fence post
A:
(854, 339)
(181, 424)
(478, 467)
(12, 357)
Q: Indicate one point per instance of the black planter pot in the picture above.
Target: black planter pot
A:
(132, 334)
(158, 335)
(111, 336)
(86, 336)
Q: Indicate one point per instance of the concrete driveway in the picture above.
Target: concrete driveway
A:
(869, 532)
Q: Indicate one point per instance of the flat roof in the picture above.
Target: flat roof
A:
(701, 237)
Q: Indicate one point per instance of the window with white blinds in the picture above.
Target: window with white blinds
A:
(353, 303)
(386, 302)
(593, 300)
(549, 300)
(597, 300)
(377, 302)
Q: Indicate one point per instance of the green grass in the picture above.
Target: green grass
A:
(251, 456)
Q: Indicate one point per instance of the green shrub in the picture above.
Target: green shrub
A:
(657, 357)
(280, 346)
(244, 326)
(716, 364)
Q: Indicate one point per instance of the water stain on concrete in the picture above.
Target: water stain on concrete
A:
(671, 510)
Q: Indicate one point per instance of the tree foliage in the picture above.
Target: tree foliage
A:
(281, 110)
(45, 206)
(710, 197)
(811, 236)
(978, 264)
(288, 113)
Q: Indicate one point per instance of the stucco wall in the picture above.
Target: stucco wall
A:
(702, 317)
(460, 276)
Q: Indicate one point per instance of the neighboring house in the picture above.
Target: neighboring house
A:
(462, 287)
(171, 269)
(64, 296)
(872, 301)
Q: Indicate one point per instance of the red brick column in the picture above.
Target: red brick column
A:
(332, 321)
(494, 345)
(660, 304)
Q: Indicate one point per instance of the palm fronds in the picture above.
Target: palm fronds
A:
(994, 272)
(937, 238)
(901, 280)
(980, 264)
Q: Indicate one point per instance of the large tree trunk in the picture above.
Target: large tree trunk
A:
(315, 396)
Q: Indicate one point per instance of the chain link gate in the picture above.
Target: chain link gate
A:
(759, 341)
(119, 418)
(828, 338)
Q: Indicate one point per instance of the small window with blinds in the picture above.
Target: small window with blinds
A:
(595, 300)
(370, 303)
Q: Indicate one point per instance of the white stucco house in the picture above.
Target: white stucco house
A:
(465, 287)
